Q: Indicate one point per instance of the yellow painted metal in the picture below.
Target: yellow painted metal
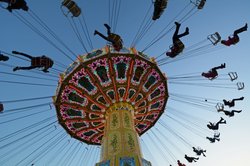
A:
(120, 137)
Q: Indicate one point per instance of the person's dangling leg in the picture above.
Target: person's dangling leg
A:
(175, 36)
(203, 153)
(227, 113)
(101, 35)
(221, 121)
(237, 111)
(241, 98)
(108, 29)
(23, 54)
(222, 66)
(24, 68)
(242, 29)
(184, 34)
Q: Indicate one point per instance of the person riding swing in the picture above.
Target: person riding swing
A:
(36, 62)
(235, 38)
(177, 46)
(115, 39)
(212, 73)
(16, 4)
(215, 126)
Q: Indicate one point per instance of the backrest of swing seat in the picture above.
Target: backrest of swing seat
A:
(217, 35)
(115, 37)
(234, 39)
(66, 2)
(200, 3)
(233, 76)
(214, 38)
(240, 85)
(216, 42)
(76, 11)
(217, 38)
(1, 107)
(212, 78)
(164, 4)
(219, 107)
(73, 8)
(160, 5)
(180, 46)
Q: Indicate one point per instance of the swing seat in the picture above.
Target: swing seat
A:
(219, 107)
(240, 85)
(1, 108)
(3, 58)
(178, 47)
(233, 76)
(115, 38)
(211, 75)
(212, 78)
(234, 39)
(117, 41)
(214, 38)
(216, 134)
(200, 3)
(159, 6)
(72, 7)
(175, 49)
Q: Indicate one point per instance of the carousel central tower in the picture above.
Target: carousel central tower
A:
(111, 98)
(120, 137)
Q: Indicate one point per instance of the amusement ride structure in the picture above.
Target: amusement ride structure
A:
(110, 98)
(113, 101)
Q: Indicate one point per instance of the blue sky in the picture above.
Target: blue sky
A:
(217, 16)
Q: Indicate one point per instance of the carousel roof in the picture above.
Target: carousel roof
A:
(96, 81)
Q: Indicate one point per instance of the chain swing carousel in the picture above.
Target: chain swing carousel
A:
(108, 98)
(111, 98)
